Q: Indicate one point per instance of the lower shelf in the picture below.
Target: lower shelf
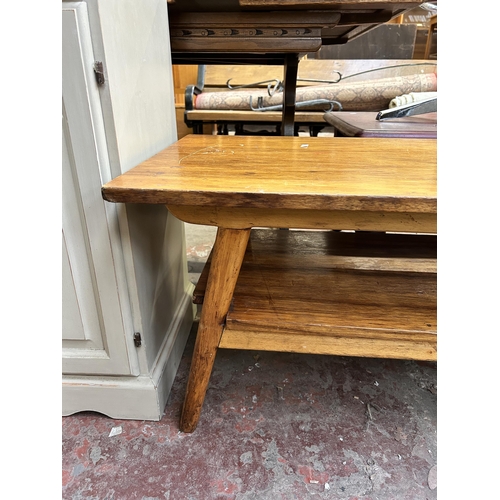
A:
(329, 292)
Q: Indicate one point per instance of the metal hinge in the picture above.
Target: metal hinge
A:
(137, 339)
(99, 73)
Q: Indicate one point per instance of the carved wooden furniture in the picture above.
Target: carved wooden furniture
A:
(356, 293)
(270, 32)
(274, 26)
(364, 124)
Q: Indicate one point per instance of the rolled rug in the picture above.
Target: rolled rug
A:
(369, 95)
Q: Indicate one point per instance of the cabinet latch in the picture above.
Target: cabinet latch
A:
(137, 339)
(99, 73)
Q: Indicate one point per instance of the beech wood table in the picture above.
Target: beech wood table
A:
(355, 275)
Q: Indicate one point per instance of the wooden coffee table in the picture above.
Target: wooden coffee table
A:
(356, 275)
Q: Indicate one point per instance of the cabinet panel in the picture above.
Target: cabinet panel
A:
(72, 321)
(79, 299)
(94, 335)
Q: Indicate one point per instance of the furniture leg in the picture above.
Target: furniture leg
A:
(227, 257)
(289, 93)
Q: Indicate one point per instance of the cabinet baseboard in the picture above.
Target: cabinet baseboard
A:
(134, 398)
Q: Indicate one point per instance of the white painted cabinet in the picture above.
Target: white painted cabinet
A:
(127, 307)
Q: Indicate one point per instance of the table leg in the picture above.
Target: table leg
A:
(227, 257)
(289, 94)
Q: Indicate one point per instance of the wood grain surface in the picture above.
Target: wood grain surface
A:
(361, 220)
(314, 173)
(363, 294)
(228, 252)
(252, 116)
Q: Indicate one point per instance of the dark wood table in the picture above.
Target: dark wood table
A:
(271, 32)
(364, 124)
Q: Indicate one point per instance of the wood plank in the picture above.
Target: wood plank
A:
(320, 173)
(340, 313)
(253, 116)
(249, 21)
(351, 263)
(338, 250)
(339, 346)
(360, 220)
(335, 292)
(247, 32)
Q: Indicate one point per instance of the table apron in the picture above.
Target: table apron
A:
(244, 218)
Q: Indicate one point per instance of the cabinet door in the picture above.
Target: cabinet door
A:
(95, 336)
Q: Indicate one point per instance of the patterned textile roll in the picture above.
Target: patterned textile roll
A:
(369, 95)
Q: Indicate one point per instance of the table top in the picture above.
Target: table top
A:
(277, 172)
(364, 124)
(271, 27)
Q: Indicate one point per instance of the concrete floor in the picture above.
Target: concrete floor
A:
(274, 426)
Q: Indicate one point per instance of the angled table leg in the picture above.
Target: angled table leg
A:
(227, 257)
